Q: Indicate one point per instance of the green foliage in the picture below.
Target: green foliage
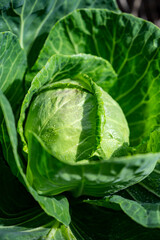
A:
(79, 122)
(124, 41)
(31, 21)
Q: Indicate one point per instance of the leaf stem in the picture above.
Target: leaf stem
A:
(53, 230)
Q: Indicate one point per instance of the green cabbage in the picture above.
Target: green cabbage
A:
(79, 122)
(75, 123)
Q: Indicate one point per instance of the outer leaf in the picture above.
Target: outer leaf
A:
(4, 4)
(21, 217)
(31, 232)
(7, 149)
(142, 203)
(50, 176)
(146, 214)
(124, 41)
(55, 207)
(31, 21)
(12, 67)
(32, 225)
